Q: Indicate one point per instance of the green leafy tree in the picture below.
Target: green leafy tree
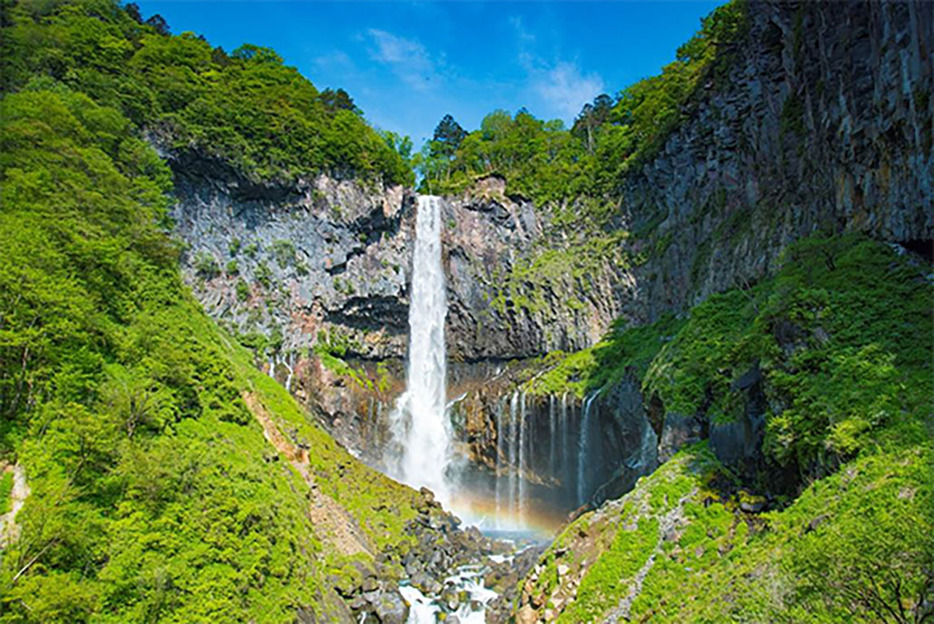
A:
(447, 137)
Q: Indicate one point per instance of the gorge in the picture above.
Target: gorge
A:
(259, 363)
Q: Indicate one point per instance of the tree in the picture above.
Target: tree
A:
(338, 100)
(447, 138)
(256, 54)
(158, 22)
(132, 9)
(592, 116)
(402, 145)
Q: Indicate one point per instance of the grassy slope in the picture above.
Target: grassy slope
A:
(678, 552)
(154, 493)
(843, 337)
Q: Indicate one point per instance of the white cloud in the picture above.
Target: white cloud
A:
(565, 88)
(408, 59)
(561, 85)
(337, 60)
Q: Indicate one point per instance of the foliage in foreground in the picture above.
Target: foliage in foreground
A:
(842, 337)
(246, 107)
(857, 546)
(154, 495)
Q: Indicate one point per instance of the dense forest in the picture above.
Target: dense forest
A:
(245, 107)
(150, 497)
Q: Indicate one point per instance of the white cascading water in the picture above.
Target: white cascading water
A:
(583, 449)
(419, 422)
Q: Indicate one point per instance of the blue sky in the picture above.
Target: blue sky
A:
(406, 64)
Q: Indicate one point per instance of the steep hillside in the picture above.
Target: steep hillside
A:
(161, 477)
(700, 318)
(854, 547)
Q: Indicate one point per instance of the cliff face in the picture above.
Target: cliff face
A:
(319, 255)
(334, 256)
(823, 123)
(327, 263)
(493, 238)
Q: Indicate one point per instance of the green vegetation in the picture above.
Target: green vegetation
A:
(838, 359)
(6, 490)
(547, 162)
(331, 349)
(205, 265)
(842, 364)
(243, 290)
(533, 280)
(856, 546)
(623, 351)
(284, 253)
(847, 378)
(154, 495)
(245, 107)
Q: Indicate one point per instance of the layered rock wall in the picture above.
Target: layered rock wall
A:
(823, 124)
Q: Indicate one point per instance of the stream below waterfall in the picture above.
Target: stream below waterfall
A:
(464, 596)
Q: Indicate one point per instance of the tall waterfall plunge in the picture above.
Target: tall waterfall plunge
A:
(419, 422)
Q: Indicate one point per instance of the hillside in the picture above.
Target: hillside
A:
(167, 478)
(692, 331)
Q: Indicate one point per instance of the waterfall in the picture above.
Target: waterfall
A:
(583, 447)
(564, 441)
(523, 460)
(500, 450)
(551, 435)
(513, 438)
(419, 421)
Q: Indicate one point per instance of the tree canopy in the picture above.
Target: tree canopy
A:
(246, 107)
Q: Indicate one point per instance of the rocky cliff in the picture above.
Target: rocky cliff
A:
(822, 124)
(328, 257)
(316, 275)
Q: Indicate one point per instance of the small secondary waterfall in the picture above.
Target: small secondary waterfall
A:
(565, 465)
(419, 421)
(520, 469)
(551, 435)
(583, 447)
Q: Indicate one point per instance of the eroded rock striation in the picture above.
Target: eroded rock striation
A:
(822, 124)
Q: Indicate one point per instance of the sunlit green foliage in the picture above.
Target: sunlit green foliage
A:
(154, 494)
(856, 546)
(247, 107)
(840, 363)
(532, 280)
(624, 351)
(839, 360)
